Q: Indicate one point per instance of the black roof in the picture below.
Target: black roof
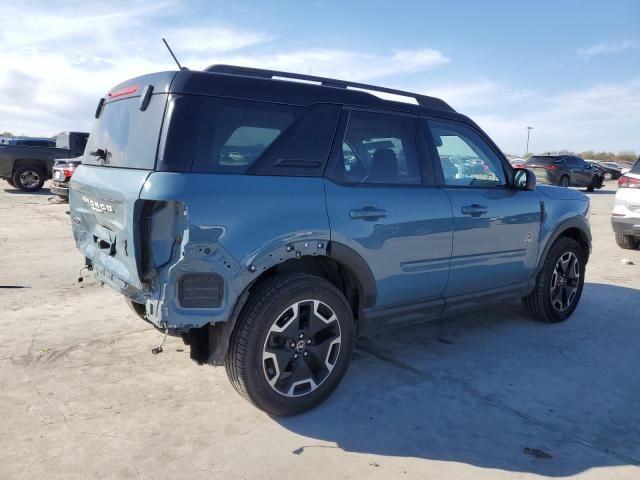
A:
(284, 87)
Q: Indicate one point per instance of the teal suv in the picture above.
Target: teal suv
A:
(271, 218)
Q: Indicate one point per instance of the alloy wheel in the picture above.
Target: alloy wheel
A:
(564, 281)
(301, 348)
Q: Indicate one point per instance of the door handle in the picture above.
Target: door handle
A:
(368, 213)
(474, 210)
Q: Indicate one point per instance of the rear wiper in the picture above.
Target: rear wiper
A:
(101, 153)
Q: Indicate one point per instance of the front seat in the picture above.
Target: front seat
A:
(384, 166)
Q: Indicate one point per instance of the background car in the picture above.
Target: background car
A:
(565, 171)
(609, 170)
(62, 172)
(625, 218)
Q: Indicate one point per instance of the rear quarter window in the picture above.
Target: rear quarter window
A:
(233, 134)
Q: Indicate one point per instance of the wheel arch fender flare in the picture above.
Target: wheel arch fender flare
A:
(570, 227)
(352, 260)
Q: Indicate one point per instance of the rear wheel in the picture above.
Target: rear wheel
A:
(564, 181)
(608, 176)
(560, 281)
(628, 242)
(292, 344)
(28, 178)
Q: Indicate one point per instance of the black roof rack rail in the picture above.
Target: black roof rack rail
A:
(422, 100)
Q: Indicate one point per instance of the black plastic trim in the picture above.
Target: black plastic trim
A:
(353, 261)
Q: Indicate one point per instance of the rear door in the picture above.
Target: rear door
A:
(495, 228)
(381, 206)
(104, 191)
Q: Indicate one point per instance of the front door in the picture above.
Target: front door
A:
(380, 206)
(495, 227)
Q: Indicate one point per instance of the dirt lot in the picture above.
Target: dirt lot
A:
(485, 395)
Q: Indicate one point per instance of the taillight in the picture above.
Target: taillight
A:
(628, 182)
(551, 167)
(518, 165)
(67, 172)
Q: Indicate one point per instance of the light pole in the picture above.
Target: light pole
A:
(528, 133)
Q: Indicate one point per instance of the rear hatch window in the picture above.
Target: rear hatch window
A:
(129, 135)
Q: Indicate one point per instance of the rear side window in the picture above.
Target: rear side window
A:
(234, 134)
(636, 167)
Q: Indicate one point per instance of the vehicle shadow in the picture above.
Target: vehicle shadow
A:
(43, 191)
(600, 192)
(494, 389)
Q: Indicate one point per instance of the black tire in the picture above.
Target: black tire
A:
(10, 182)
(564, 181)
(272, 305)
(628, 242)
(28, 178)
(540, 302)
(591, 187)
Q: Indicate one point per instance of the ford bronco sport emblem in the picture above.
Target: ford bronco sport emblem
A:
(98, 207)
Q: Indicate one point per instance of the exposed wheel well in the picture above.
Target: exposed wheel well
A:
(332, 271)
(579, 236)
(210, 343)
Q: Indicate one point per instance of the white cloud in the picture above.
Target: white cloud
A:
(345, 64)
(604, 48)
(602, 117)
(60, 61)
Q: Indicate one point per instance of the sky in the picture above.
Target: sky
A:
(570, 69)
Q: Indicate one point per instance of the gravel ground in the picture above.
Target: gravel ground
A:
(486, 395)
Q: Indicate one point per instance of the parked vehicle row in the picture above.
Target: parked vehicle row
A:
(271, 222)
(28, 166)
(608, 170)
(565, 171)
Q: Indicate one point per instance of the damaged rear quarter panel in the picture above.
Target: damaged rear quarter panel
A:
(237, 226)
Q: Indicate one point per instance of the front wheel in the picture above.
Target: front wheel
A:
(564, 181)
(608, 176)
(292, 344)
(559, 284)
(10, 182)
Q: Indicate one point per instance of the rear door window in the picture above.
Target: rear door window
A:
(233, 134)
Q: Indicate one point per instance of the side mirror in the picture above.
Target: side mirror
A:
(524, 179)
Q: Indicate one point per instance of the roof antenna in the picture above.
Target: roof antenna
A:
(174, 57)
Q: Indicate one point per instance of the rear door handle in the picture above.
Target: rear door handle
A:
(368, 213)
(474, 210)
